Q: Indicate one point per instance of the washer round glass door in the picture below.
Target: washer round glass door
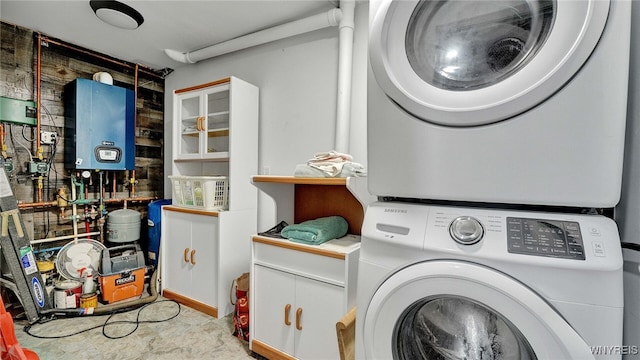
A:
(468, 63)
(459, 310)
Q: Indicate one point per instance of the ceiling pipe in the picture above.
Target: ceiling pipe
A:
(345, 70)
(315, 22)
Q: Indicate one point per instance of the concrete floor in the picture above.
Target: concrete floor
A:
(189, 335)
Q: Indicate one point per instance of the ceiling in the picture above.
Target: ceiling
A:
(183, 25)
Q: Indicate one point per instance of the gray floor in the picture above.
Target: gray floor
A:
(190, 335)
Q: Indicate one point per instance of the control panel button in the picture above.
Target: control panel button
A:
(542, 237)
(466, 230)
(598, 249)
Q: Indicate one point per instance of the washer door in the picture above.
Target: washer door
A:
(459, 310)
(466, 63)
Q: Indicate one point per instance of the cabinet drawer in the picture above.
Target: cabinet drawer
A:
(312, 265)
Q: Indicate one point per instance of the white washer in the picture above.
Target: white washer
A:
(516, 284)
(505, 101)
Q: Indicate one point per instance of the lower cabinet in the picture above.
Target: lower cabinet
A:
(201, 253)
(298, 294)
(297, 315)
(189, 259)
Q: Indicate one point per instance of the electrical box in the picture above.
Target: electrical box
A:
(99, 126)
(17, 111)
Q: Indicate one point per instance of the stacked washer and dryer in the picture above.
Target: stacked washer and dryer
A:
(495, 138)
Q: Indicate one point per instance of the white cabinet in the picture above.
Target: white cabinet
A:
(299, 291)
(299, 296)
(189, 259)
(215, 133)
(201, 253)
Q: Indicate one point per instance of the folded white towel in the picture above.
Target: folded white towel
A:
(353, 169)
(348, 169)
(331, 156)
(331, 168)
(332, 164)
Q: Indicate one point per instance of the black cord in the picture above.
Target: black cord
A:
(137, 322)
(630, 246)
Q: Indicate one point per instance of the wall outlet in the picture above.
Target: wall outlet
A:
(48, 137)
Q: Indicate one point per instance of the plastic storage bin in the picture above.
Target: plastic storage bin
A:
(200, 192)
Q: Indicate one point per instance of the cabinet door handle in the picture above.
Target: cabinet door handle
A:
(287, 309)
(298, 316)
(193, 257)
(186, 253)
(200, 123)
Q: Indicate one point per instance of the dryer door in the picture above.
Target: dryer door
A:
(466, 63)
(459, 310)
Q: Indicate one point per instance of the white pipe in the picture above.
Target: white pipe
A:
(64, 237)
(308, 24)
(74, 207)
(345, 65)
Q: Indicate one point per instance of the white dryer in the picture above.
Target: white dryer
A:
(505, 101)
(469, 283)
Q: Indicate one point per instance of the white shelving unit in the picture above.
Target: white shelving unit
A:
(215, 133)
(298, 291)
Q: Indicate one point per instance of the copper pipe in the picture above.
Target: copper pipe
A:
(114, 184)
(37, 204)
(102, 191)
(133, 183)
(98, 56)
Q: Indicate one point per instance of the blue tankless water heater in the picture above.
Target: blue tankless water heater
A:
(99, 126)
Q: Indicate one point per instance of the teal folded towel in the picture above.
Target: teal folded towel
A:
(317, 231)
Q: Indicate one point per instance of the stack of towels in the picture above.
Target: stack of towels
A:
(330, 164)
(317, 231)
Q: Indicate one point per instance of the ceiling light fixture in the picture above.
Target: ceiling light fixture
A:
(117, 14)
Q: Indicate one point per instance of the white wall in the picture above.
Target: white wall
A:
(297, 78)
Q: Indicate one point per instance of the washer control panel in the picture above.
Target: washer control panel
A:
(540, 237)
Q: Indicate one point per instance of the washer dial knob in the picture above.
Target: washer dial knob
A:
(466, 230)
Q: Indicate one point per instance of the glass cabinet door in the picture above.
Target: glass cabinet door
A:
(190, 125)
(203, 124)
(216, 124)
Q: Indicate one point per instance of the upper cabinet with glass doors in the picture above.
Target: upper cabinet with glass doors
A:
(204, 118)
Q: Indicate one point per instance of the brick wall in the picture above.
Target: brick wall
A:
(61, 63)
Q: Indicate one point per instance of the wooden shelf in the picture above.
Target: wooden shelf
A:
(218, 132)
(190, 211)
(299, 180)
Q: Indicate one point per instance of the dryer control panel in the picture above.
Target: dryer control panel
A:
(541, 237)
